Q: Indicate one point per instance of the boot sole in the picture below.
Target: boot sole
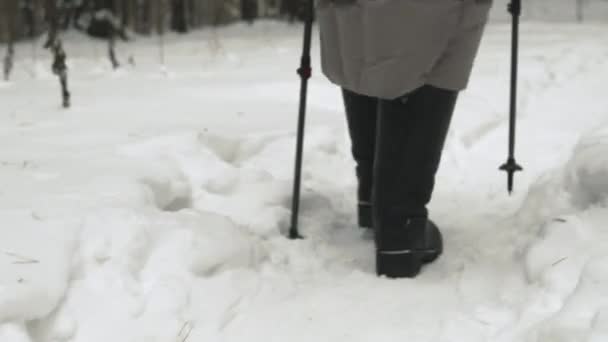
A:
(431, 257)
(403, 264)
(406, 264)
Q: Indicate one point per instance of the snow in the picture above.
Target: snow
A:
(156, 208)
(554, 10)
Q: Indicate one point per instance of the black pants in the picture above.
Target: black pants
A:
(397, 146)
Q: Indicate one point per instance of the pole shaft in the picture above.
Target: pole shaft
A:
(515, 11)
(511, 165)
(298, 167)
(304, 72)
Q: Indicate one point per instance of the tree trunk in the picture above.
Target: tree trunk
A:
(52, 18)
(579, 10)
(8, 13)
(160, 10)
(178, 16)
(249, 10)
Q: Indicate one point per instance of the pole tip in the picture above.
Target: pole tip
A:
(511, 167)
(293, 235)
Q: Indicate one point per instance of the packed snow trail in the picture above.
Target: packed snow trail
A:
(155, 209)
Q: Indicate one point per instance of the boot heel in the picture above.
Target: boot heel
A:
(401, 264)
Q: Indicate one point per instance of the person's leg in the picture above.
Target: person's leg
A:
(361, 116)
(411, 133)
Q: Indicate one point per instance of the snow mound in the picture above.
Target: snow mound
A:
(582, 183)
(568, 257)
(587, 171)
(14, 333)
(36, 264)
(583, 315)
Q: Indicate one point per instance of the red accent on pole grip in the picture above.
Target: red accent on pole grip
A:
(305, 72)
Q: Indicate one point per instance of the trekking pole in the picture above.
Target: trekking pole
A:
(61, 70)
(161, 48)
(511, 165)
(10, 48)
(8, 60)
(111, 48)
(55, 45)
(305, 71)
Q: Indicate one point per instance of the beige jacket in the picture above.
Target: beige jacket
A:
(387, 48)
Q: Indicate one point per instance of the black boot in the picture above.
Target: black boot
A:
(361, 116)
(411, 132)
(404, 251)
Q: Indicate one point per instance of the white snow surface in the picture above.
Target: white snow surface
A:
(155, 209)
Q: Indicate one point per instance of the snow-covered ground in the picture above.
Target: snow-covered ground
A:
(555, 10)
(155, 208)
